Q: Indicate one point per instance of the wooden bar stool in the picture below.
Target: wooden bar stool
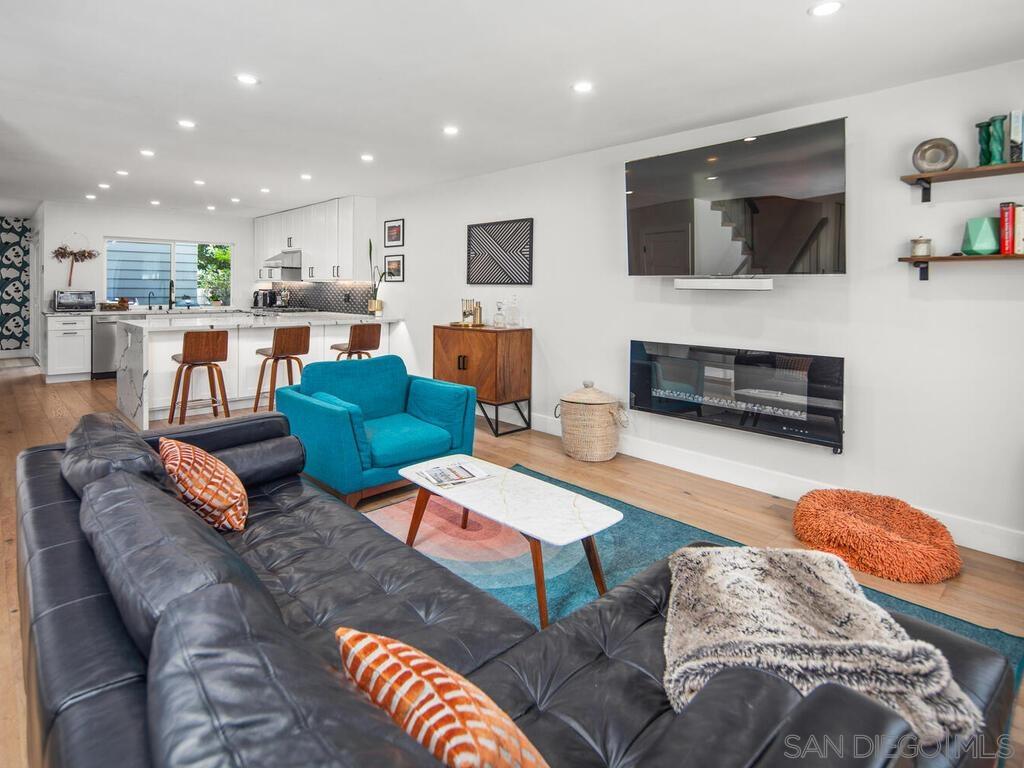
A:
(200, 349)
(362, 339)
(289, 343)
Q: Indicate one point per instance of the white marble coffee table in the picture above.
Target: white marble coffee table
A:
(540, 511)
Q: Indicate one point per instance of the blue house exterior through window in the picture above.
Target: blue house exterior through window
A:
(137, 268)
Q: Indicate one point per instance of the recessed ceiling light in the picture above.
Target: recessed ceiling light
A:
(713, 159)
(103, 186)
(583, 86)
(825, 9)
(751, 138)
(246, 79)
(710, 178)
(211, 207)
(451, 130)
(121, 173)
(264, 190)
(187, 123)
(366, 158)
(629, 191)
(199, 182)
(90, 197)
(147, 152)
(306, 176)
(235, 200)
(154, 202)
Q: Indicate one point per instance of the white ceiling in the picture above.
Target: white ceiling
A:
(85, 85)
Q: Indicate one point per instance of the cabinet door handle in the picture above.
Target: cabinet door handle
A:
(310, 271)
(70, 333)
(261, 274)
(289, 242)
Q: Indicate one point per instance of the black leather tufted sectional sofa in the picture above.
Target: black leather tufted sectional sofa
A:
(151, 639)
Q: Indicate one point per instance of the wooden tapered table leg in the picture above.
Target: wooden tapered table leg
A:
(538, 578)
(465, 517)
(590, 547)
(417, 515)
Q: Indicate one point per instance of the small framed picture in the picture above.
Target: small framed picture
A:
(394, 268)
(394, 233)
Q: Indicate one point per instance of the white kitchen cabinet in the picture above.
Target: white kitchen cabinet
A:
(320, 248)
(68, 348)
(333, 236)
(357, 222)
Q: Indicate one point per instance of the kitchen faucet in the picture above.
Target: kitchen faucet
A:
(150, 299)
(170, 294)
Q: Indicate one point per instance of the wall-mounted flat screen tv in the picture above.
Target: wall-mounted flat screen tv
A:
(772, 204)
(796, 396)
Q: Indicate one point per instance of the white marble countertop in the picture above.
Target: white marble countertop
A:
(176, 322)
(144, 312)
(536, 508)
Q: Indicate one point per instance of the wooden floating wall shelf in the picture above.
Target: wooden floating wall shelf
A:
(925, 180)
(922, 262)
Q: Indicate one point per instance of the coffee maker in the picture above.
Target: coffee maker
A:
(264, 298)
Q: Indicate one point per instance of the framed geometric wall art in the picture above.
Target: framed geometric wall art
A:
(500, 253)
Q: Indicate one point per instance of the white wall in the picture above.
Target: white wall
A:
(90, 225)
(935, 370)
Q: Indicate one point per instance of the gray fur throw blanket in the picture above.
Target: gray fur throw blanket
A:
(802, 616)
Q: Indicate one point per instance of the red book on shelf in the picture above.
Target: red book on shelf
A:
(1006, 228)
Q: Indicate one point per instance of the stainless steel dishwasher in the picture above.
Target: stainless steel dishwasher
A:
(104, 347)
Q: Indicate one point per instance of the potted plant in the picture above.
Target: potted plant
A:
(375, 305)
(64, 253)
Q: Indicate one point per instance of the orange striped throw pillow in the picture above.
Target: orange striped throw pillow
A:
(207, 484)
(452, 718)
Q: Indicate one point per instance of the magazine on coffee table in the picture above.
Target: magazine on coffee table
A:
(449, 475)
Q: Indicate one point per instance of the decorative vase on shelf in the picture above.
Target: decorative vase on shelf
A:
(375, 306)
(997, 138)
(984, 142)
(981, 237)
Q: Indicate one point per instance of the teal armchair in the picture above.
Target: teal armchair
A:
(363, 420)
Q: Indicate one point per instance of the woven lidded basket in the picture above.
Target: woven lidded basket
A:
(590, 423)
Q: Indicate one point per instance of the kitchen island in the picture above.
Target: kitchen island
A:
(145, 370)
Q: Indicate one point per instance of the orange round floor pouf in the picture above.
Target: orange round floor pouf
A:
(879, 535)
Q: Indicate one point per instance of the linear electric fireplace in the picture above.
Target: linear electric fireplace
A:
(798, 397)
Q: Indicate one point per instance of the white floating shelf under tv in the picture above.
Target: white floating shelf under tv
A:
(722, 283)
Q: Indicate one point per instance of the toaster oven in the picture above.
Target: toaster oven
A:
(74, 301)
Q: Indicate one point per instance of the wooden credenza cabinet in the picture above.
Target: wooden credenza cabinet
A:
(497, 361)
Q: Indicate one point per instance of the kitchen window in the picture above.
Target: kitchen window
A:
(136, 268)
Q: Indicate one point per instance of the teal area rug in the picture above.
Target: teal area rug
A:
(497, 560)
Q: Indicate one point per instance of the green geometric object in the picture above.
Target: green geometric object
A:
(981, 237)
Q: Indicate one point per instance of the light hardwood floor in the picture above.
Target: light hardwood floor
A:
(990, 591)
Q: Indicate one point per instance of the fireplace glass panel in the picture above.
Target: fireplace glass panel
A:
(795, 396)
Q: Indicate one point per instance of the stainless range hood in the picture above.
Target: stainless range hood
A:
(289, 262)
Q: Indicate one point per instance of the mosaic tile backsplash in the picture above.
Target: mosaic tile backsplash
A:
(344, 296)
